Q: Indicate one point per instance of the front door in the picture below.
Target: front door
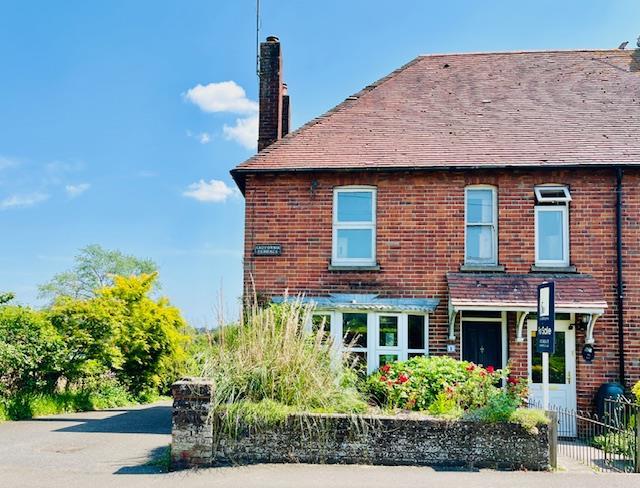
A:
(482, 343)
(562, 373)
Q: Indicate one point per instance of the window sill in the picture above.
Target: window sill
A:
(553, 269)
(479, 268)
(352, 267)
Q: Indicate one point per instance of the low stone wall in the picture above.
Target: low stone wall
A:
(335, 438)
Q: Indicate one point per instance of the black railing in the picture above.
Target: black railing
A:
(606, 442)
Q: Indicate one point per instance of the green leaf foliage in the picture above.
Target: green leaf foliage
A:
(95, 268)
(30, 350)
(141, 340)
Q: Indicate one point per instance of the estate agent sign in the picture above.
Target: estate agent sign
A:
(545, 337)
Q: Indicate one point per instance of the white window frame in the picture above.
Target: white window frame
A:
(565, 235)
(335, 261)
(542, 189)
(493, 225)
(373, 349)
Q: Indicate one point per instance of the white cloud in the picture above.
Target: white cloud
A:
(76, 190)
(210, 191)
(202, 137)
(244, 132)
(226, 96)
(23, 200)
(6, 162)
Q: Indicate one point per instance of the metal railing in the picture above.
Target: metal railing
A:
(606, 442)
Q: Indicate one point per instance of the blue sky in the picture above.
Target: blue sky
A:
(116, 127)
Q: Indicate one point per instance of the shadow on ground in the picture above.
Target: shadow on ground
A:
(153, 420)
(158, 461)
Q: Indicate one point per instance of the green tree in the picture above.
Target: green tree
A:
(123, 331)
(94, 268)
(30, 350)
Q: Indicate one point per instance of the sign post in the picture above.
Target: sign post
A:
(545, 337)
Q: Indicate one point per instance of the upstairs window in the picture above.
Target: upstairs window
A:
(481, 226)
(552, 225)
(354, 226)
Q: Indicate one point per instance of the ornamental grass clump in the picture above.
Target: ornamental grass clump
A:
(271, 363)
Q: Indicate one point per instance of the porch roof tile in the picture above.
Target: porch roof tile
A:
(573, 291)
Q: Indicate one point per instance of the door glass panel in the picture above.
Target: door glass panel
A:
(416, 331)
(354, 327)
(387, 358)
(557, 361)
(388, 331)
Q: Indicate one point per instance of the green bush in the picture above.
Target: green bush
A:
(106, 393)
(622, 443)
(529, 418)
(124, 331)
(30, 351)
(417, 383)
(636, 391)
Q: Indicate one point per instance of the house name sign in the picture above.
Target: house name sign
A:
(267, 250)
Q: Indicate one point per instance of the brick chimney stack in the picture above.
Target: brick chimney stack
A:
(274, 100)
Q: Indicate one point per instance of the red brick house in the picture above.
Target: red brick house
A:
(423, 211)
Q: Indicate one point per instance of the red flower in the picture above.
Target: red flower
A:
(490, 369)
(403, 378)
(385, 368)
(471, 367)
(383, 378)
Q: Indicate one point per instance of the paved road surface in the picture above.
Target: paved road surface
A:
(113, 448)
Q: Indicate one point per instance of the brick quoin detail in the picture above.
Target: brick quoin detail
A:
(420, 237)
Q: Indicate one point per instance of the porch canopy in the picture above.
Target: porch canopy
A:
(575, 293)
(349, 301)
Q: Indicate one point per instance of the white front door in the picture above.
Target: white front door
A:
(562, 373)
(390, 331)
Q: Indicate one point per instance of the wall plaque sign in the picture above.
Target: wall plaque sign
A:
(267, 250)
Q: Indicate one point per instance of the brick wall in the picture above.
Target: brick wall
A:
(420, 237)
(338, 438)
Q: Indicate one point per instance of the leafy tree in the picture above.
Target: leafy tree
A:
(124, 331)
(30, 350)
(95, 268)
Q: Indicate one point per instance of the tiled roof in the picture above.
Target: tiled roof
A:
(554, 108)
(520, 290)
